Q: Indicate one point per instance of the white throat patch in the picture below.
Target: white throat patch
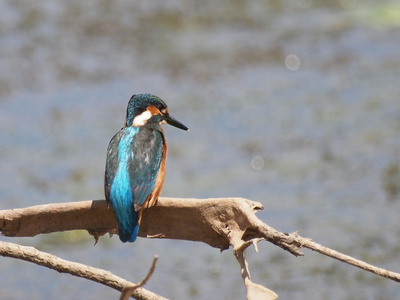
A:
(142, 119)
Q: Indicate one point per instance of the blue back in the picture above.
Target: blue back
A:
(133, 162)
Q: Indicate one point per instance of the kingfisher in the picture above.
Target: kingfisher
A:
(135, 165)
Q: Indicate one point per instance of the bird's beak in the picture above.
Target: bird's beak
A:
(174, 122)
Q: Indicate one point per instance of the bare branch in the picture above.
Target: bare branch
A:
(80, 270)
(213, 221)
(220, 223)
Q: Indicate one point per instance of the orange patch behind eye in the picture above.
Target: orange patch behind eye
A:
(153, 110)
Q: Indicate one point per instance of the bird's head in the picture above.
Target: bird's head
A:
(146, 109)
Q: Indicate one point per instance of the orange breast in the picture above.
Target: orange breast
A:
(153, 197)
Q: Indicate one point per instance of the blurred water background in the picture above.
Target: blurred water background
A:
(295, 104)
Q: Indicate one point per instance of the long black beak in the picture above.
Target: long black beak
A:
(171, 121)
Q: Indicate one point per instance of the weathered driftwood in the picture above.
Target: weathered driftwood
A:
(220, 223)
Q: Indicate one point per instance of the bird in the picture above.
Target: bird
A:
(135, 164)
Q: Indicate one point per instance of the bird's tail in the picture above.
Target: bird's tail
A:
(128, 228)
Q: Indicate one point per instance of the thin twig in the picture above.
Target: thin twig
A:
(307, 243)
(128, 290)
